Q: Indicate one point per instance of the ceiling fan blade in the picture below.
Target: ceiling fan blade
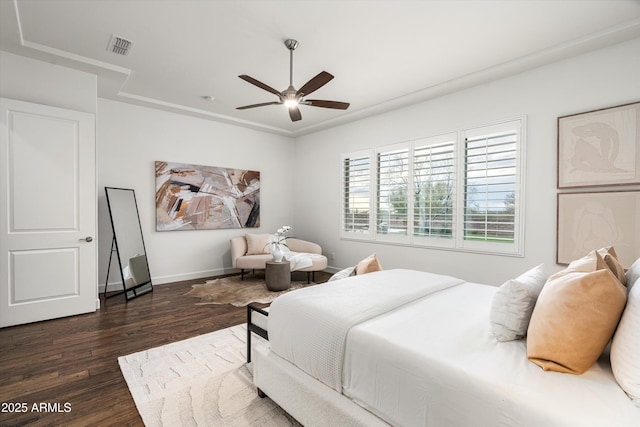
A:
(294, 113)
(314, 84)
(327, 104)
(259, 84)
(259, 105)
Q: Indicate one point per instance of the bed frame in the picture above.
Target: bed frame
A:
(306, 399)
(256, 323)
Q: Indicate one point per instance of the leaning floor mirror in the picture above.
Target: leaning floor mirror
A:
(128, 243)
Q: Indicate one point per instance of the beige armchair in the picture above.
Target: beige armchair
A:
(245, 259)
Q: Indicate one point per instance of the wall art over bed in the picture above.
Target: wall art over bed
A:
(598, 219)
(599, 147)
(194, 197)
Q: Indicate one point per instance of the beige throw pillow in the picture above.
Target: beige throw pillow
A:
(589, 262)
(258, 244)
(368, 265)
(575, 316)
(611, 259)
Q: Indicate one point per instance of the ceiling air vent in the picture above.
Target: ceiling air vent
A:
(119, 45)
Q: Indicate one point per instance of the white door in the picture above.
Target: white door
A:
(47, 213)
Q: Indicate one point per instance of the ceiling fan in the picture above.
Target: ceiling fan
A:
(291, 97)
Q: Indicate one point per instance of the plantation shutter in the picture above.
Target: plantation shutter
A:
(490, 185)
(356, 194)
(461, 190)
(433, 188)
(392, 192)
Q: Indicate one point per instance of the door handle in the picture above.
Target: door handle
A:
(88, 239)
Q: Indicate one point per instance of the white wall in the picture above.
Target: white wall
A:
(40, 82)
(301, 178)
(603, 78)
(132, 138)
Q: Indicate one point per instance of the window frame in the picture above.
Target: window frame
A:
(517, 247)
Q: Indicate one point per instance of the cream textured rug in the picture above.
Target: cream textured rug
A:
(232, 290)
(201, 381)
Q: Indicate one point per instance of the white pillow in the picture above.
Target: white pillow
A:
(633, 274)
(349, 271)
(513, 304)
(625, 348)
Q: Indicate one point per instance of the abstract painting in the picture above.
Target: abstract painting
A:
(194, 197)
(588, 221)
(599, 147)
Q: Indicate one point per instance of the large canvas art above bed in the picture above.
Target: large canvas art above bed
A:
(194, 197)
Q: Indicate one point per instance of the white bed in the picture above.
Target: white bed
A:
(352, 353)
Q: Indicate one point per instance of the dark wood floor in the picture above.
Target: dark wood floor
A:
(72, 362)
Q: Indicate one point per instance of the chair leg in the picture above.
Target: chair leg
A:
(242, 274)
(308, 277)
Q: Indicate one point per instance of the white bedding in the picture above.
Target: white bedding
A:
(302, 333)
(434, 363)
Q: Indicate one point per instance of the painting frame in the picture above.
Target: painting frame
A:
(591, 220)
(599, 147)
(198, 197)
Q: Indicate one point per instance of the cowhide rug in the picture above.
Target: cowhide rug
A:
(232, 290)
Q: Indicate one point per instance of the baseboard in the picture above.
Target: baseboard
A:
(171, 278)
(112, 286)
(159, 280)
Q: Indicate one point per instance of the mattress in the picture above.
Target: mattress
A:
(433, 362)
(308, 327)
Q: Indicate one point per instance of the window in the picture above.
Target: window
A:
(490, 180)
(391, 192)
(460, 191)
(491, 187)
(356, 190)
(433, 188)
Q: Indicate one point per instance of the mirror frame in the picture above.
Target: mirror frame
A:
(139, 288)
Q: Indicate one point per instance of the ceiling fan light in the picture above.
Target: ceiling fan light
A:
(290, 103)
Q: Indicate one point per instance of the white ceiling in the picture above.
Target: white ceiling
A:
(383, 54)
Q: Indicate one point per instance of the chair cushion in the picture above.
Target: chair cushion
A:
(319, 263)
(251, 262)
(258, 262)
